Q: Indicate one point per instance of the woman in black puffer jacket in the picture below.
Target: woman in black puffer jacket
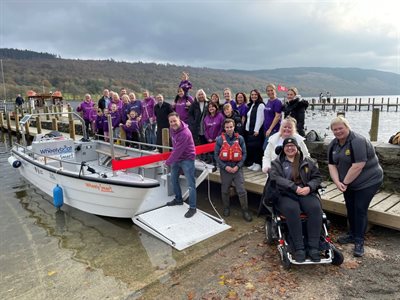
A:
(296, 109)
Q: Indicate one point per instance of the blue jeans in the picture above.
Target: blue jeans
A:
(150, 133)
(189, 170)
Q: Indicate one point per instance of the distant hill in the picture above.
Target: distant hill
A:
(25, 70)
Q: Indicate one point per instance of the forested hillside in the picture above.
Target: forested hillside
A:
(25, 70)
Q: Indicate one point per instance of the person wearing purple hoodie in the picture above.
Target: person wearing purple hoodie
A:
(132, 131)
(182, 157)
(212, 127)
(185, 84)
(181, 105)
(149, 120)
(116, 100)
(228, 98)
(86, 109)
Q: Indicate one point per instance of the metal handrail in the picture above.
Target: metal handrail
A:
(27, 117)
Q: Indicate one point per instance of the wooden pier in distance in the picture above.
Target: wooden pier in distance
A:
(357, 105)
(384, 209)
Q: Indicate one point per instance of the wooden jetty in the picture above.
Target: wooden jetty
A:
(384, 209)
(358, 104)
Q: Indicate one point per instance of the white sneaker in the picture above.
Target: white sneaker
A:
(252, 166)
(256, 168)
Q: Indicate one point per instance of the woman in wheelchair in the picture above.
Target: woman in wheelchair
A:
(297, 179)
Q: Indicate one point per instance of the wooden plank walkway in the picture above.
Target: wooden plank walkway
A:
(384, 209)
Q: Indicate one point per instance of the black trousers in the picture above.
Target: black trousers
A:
(357, 203)
(291, 207)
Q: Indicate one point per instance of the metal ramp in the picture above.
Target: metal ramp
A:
(169, 225)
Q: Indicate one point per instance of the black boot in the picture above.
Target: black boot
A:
(247, 216)
(358, 249)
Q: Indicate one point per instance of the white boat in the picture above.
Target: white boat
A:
(83, 171)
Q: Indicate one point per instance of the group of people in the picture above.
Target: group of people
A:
(276, 144)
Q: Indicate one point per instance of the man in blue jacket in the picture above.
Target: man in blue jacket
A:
(182, 157)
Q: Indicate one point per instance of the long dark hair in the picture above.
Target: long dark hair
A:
(259, 98)
(244, 97)
(177, 97)
(295, 168)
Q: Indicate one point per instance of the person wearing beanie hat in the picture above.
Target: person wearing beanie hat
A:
(297, 179)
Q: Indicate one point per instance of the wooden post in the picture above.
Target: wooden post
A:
(71, 123)
(17, 124)
(46, 110)
(165, 139)
(38, 125)
(373, 133)
(382, 104)
(54, 125)
(369, 100)
(122, 134)
(387, 108)
(1, 120)
(29, 107)
(334, 104)
(397, 103)
(347, 104)
(27, 133)
(8, 120)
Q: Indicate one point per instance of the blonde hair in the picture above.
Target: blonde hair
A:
(289, 120)
(270, 85)
(201, 91)
(125, 97)
(340, 120)
(294, 90)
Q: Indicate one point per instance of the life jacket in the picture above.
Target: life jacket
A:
(230, 153)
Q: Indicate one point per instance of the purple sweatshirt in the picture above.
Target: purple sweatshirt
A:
(181, 108)
(93, 115)
(185, 85)
(183, 145)
(148, 109)
(243, 109)
(100, 124)
(232, 103)
(136, 106)
(115, 118)
(119, 104)
(272, 107)
(85, 108)
(213, 126)
(129, 130)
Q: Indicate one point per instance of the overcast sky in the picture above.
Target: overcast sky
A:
(223, 34)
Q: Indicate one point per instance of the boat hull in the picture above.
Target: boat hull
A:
(105, 199)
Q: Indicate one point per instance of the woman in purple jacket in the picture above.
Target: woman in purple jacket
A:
(213, 125)
(149, 120)
(241, 102)
(86, 108)
(181, 105)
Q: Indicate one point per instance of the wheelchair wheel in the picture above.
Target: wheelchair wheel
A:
(268, 231)
(285, 259)
(338, 257)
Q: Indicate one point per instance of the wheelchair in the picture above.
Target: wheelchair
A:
(277, 232)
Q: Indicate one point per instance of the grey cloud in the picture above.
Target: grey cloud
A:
(220, 34)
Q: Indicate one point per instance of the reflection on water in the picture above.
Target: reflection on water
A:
(116, 246)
